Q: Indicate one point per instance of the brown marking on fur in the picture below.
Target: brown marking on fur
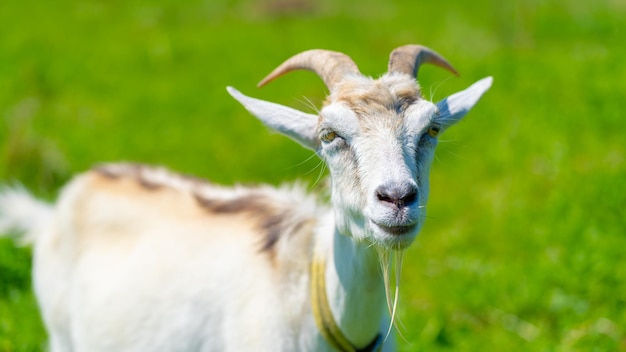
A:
(274, 220)
(375, 99)
(106, 172)
(406, 97)
(274, 227)
(197, 181)
(128, 184)
(251, 203)
(115, 171)
(147, 184)
(131, 206)
(138, 172)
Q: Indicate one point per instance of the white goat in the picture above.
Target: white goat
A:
(134, 258)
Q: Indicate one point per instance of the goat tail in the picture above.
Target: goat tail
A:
(23, 214)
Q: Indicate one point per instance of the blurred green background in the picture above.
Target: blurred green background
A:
(524, 246)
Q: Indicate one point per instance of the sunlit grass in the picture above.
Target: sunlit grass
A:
(523, 246)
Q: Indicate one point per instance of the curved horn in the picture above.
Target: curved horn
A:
(331, 66)
(407, 59)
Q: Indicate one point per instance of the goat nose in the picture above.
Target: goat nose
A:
(397, 194)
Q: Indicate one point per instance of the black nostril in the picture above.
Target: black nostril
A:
(383, 196)
(410, 197)
(400, 195)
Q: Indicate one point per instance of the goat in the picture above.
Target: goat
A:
(137, 258)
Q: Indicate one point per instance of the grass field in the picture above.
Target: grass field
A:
(524, 249)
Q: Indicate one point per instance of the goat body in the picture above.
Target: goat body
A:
(136, 258)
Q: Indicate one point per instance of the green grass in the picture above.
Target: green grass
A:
(524, 246)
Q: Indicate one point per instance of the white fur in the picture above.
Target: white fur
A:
(138, 259)
(22, 212)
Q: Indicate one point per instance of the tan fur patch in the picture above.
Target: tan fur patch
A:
(379, 97)
(274, 221)
(272, 216)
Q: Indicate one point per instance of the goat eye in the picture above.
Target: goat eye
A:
(329, 136)
(433, 130)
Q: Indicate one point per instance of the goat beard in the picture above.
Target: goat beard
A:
(386, 257)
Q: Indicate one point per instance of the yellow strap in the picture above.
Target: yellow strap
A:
(321, 309)
(324, 316)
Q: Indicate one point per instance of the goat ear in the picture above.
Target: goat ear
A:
(295, 124)
(454, 107)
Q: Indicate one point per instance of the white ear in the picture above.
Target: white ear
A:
(454, 107)
(299, 126)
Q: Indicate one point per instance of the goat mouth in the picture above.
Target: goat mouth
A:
(399, 230)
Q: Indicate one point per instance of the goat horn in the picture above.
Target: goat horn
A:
(331, 66)
(407, 59)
